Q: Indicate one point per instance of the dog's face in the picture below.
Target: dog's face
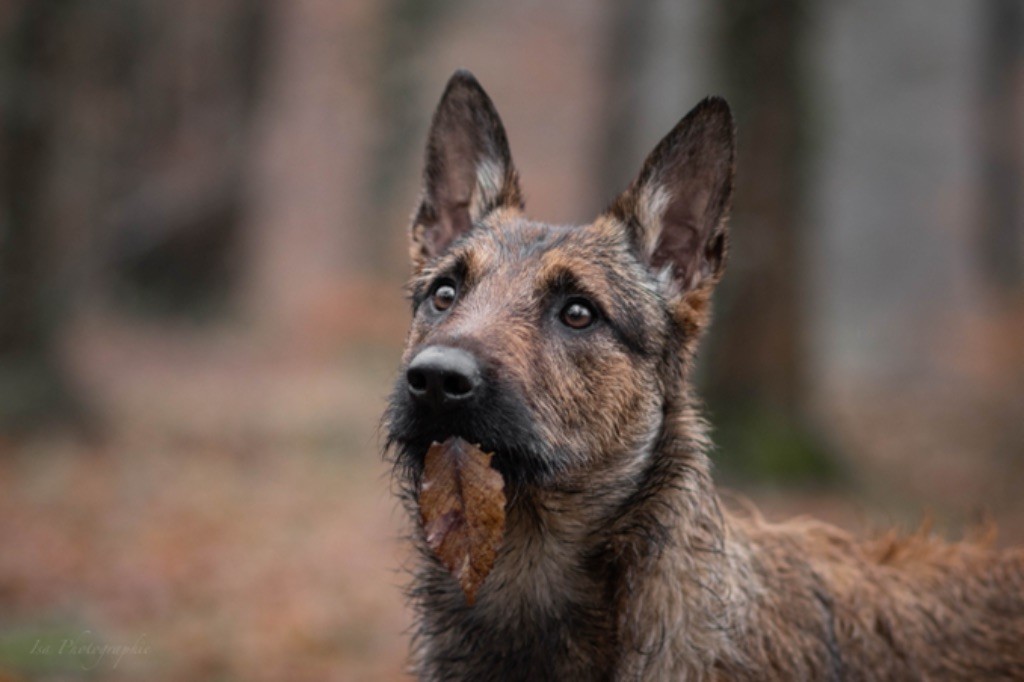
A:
(541, 343)
(555, 347)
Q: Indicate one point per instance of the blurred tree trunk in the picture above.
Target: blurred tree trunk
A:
(408, 29)
(625, 57)
(1003, 129)
(304, 239)
(34, 390)
(1001, 237)
(175, 236)
(756, 359)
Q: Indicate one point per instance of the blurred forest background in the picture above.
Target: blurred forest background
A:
(203, 207)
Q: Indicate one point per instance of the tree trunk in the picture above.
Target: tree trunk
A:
(33, 387)
(1001, 234)
(408, 29)
(1002, 242)
(625, 57)
(756, 357)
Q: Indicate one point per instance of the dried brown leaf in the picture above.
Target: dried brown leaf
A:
(462, 506)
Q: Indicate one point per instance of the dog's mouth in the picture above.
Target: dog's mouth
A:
(518, 465)
(498, 425)
(518, 454)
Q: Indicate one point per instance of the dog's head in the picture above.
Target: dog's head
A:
(558, 348)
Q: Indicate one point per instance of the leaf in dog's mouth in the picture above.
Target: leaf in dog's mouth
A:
(462, 506)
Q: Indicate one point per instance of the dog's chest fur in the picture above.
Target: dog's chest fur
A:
(542, 614)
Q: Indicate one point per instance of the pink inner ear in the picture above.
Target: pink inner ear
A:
(682, 194)
(466, 134)
(455, 221)
(678, 246)
(682, 235)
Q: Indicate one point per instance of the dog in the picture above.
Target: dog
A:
(568, 352)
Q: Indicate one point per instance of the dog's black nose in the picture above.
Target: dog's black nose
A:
(440, 376)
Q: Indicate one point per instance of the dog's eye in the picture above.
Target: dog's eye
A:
(577, 314)
(444, 295)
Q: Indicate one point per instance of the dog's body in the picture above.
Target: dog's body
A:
(566, 351)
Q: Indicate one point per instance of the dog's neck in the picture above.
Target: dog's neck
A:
(683, 566)
(561, 600)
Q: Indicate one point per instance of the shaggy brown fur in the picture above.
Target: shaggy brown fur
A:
(619, 562)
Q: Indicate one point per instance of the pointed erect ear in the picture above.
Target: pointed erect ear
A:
(676, 209)
(468, 170)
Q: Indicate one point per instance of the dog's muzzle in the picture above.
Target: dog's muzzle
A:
(453, 391)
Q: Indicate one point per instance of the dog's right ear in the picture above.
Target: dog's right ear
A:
(468, 171)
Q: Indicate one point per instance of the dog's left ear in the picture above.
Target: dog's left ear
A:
(468, 171)
(676, 209)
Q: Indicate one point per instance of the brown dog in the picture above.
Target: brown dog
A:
(567, 352)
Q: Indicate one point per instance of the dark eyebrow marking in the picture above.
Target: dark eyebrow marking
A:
(454, 266)
(562, 280)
